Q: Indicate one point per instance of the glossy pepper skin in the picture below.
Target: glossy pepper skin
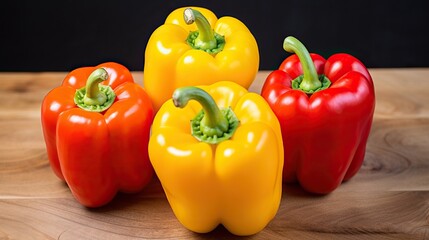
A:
(324, 132)
(235, 182)
(170, 62)
(99, 153)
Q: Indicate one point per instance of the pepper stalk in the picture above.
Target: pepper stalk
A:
(205, 38)
(95, 97)
(310, 82)
(211, 125)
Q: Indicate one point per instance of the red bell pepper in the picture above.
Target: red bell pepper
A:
(97, 134)
(325, 108)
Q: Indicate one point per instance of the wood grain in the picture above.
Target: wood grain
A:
(387, 199)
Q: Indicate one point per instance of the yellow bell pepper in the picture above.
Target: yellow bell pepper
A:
(219, 158)
(180, 53)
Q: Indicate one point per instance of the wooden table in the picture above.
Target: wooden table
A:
(387, 199)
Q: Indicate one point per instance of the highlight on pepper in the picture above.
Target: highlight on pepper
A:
(217, 151)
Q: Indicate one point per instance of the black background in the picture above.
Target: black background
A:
(62, 35)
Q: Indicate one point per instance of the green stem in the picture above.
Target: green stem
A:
(204, 38)
(310, 82)
(211, 125)
(93, 94)
(95, 97)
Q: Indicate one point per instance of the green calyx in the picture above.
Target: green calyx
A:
(204, 38)
(207, 134)
(296, 83)
(211, 125)
(95, 97)
(310, 82)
